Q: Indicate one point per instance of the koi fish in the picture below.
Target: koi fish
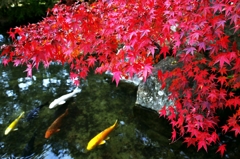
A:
(34, 112)
(61, 100)
(13, 124)
(100, 138)
(54, 127)
(28, 150)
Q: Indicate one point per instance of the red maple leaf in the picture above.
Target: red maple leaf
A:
(221, 149)
(202, 143)
(222, 58)
(164, 50)
(180, 121)
(222, 94)
(16, 62)
(5, 61)
(147, 70)
(232, 55)
(29, 70)
(232, 121)
(132, 69)
(190, 141)
(213, 95)
(224, 42)
(202, 46)
(236, 129)
(91, 61)
(212, 77)
(235, 101)
(217, 7)
(213, 138)
(223, 71)
(116, 76)
(224, 128)
(190, 50)
(222, 80)
(172, 115)
(73, 76)
(231, 94)
(160, 75)
(174, 135)
(12, 33)
(162, 112)
(83, 73)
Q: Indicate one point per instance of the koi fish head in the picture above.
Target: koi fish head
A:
(7, 131)
(92, 144)
(50, 132)
(53, 104)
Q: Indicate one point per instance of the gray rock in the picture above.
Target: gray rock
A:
(149, 93)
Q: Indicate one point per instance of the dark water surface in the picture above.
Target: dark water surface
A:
(97, 107)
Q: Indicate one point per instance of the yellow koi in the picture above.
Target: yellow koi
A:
(100, 138)
(13, 124)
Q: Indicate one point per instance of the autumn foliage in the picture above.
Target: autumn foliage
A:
(120, 36)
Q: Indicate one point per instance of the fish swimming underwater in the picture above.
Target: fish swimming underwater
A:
(34, 112)
(100, 138)
(61, 100)
(54, 127)
(13, 124)
(28, 150)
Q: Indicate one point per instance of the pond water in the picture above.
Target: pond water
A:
(95, 108)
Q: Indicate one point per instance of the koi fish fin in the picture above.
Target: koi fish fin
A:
(62, 102)
(15, 129)
(107, 138)
(102, 142)
(58, 130)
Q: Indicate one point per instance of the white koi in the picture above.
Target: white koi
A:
(61, 100)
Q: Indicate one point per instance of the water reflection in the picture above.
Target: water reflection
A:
(1, 38)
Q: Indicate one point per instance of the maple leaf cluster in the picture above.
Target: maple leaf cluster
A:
(121, 36)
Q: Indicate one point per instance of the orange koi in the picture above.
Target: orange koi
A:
(54, 127)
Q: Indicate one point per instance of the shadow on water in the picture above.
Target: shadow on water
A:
(98, 105)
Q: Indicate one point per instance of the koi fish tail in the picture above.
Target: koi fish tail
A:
(77, 90)
(66, 112)
(21, 115)
(115, 122)
(45, 104)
